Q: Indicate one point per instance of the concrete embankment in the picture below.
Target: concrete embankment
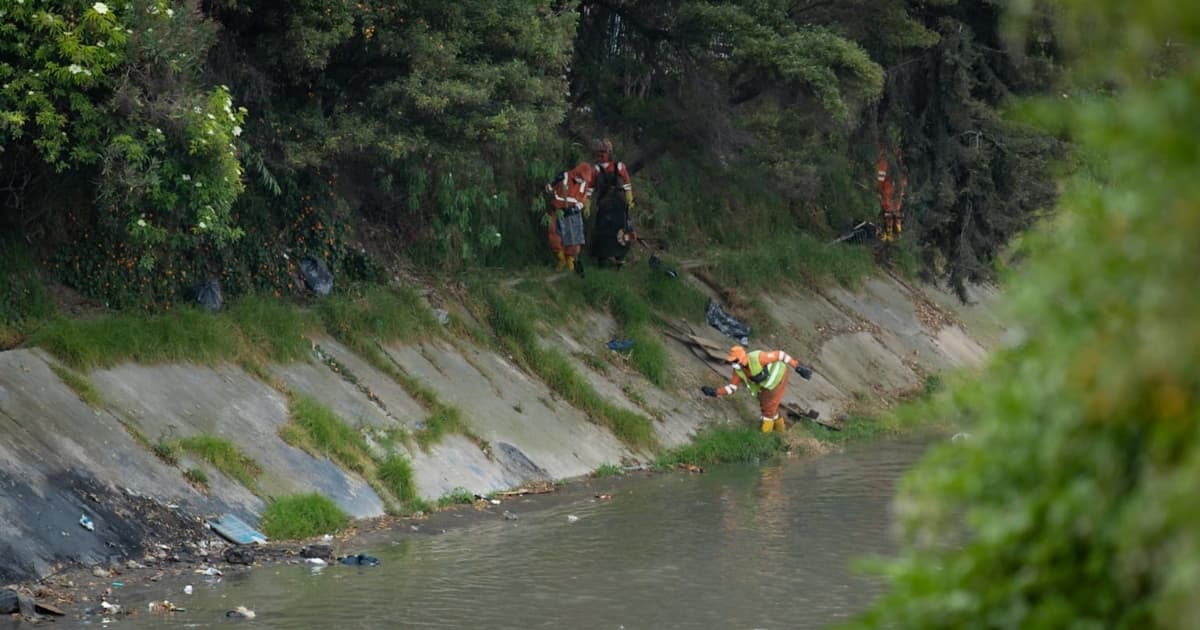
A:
(61, 458)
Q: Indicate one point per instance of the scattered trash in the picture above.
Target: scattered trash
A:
(236, 531)
(100, 572)
(316, 275)
(87, 523)
(316, 562)
(187, 590)
(118, 584)
(722, 321)
(603, 497)
(509, 516)
(209, 571)
(110, 609)
(442, 315)
(692, 468)
(327, 538)
(571, 518)
(960, 436)
(494, 501)
(862, 232)
(620, 344)
(241, 612)
(360, 559)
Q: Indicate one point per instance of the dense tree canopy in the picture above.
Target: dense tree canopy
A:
(142, 140)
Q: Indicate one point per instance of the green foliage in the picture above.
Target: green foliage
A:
(441, 421)
(302, 516)
(723, 445)
(225, 457)
(1073, 501)
(396, 474)
(317, 428)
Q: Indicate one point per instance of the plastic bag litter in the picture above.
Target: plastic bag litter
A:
(208, 294)
(722, 321)
(316, 275)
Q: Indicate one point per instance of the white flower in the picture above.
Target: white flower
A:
(170, 13)
(158, 131)
(198, 184)
(141, 223)
(196, 109)
(201, 225)
(187, 178)
(100, 8)
(100, 44)
(211, 117)
(237, 131)
(74, 68)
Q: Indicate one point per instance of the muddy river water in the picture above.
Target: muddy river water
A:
(767, 546)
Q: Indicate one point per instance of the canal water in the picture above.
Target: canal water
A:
(766, 546)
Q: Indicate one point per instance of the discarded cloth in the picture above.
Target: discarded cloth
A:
(722, 321)
(620, 344)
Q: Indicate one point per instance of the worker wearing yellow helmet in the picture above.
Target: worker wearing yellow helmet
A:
(765, 374)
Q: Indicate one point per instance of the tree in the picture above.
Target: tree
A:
(1073, 501)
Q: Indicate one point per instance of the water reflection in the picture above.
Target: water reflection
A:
(738, 547)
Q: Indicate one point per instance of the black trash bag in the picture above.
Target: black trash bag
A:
(722, 321)
(208, 294)
(316, 275)
(240, 554)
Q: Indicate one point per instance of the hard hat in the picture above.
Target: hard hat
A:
(601, 145)
(738, 353)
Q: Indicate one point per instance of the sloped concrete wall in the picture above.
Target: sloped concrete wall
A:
(57, 454)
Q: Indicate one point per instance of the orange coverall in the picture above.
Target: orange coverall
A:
(569, 193)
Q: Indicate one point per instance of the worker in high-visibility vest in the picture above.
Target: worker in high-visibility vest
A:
(765, 375)
(570, 196)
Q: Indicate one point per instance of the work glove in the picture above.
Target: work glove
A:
(709, 391)
(587, 207)
(805, 373)
(629, 199)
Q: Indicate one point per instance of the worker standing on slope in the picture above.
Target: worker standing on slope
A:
(765, 374)
(891, 193)
(613, 233)
(570, 197)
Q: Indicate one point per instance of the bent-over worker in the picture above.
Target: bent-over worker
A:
(765, 374)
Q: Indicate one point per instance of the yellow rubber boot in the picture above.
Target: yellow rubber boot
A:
(570, 263)
(767, 425)
(780, 427)
(562, 260)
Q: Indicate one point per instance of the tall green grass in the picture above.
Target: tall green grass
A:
(513, 320)
(396, 474)
(225, 457)
(302, 516)
(318, 429)
(81, 385)
(793, 255)
(724, 445)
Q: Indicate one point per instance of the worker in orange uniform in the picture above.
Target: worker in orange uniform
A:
(891, 193)
(570, 196)
(765, 374)
(613, 233)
